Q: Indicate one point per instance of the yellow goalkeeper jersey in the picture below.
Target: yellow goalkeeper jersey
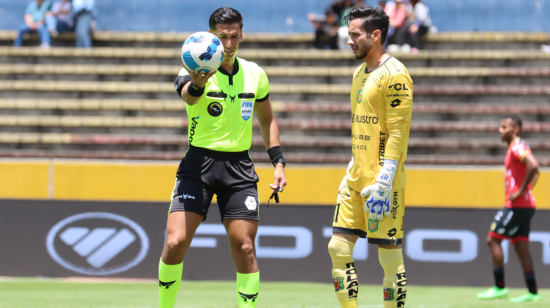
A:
(381, 109)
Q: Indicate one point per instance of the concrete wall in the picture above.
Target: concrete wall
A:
(289, 15)
(465, 187)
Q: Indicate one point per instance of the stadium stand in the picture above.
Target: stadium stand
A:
(117, 101)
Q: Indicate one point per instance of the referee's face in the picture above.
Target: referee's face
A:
(231, 36)
(359, 40)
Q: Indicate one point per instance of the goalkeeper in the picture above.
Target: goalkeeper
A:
(371, 195)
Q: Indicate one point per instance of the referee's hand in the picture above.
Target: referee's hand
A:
(200, 79)
(280, 179)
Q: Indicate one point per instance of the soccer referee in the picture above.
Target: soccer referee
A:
(219, 109)
(372, 194)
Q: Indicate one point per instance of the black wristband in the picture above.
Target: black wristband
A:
(194, 90)
(276, 155)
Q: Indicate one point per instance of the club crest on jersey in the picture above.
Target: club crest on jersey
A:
(338, 283)
(388, 294)
(246, 110)
(359, 96)
(373, 225)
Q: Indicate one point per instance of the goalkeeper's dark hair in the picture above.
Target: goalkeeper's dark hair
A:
(516, 120)
(225, 15)
(374, 18)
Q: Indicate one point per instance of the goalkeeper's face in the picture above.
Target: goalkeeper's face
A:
(360, 41)
(231, 36)
(508, 130)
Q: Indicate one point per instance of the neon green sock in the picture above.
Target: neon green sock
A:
(247, 288)
(169, 283)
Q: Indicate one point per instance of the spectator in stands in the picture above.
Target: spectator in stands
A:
(397, 12)
(59, 19)
(326, 30)
(545, 48)
(419, 24)
(34, 22)
(382, 4)
(83, 14)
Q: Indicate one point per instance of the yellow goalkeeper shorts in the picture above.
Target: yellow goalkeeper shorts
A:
(350, 218)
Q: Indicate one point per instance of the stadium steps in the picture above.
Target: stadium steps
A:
(287, 141)
(318, 89)
(292, 40)
(277, 106)
(275, 57)
(301, 74)
(284, 123)
(261, 157)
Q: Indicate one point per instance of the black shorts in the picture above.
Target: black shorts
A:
(512, 223)
(229, 175)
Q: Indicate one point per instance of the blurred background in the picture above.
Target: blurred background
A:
(92, 131)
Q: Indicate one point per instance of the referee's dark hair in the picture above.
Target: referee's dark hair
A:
(374, 18)
(516, 120)
(225, 15)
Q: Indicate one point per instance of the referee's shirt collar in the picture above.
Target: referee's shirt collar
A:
(235, 71)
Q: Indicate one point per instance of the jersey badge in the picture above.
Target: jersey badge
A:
(251, 203)
(232, 98)
(359, 96)
(246, 110)
(215, 109)
(388, 294)
(373, 225)
(338, 283)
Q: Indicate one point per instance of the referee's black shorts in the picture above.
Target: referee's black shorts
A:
(229, 175)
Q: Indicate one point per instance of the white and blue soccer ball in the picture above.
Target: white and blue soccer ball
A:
(202, 52)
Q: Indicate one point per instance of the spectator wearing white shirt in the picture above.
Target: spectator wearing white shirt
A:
(59, 19)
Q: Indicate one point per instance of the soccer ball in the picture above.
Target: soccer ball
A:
(202, 52)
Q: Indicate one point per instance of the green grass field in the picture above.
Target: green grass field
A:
(38, 293)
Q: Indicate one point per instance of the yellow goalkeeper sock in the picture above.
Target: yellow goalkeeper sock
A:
(344, 274)
(395, 278)
(169, 283)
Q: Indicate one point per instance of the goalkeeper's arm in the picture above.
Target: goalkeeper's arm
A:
(378, 203)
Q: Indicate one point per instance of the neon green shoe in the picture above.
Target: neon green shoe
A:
(493, 292)
(529, 297)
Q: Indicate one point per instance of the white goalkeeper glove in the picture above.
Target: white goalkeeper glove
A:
(344, 180)
(378, 204)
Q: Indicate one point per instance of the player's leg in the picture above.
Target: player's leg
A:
(240, 215)
(241, 234)
(348, 225)
(344, 273)
(497, 233)
(388, 235)
(188, 209)
(520, 240)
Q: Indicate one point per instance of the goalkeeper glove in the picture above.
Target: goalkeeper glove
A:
(378, 203)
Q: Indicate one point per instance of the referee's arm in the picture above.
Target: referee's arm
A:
(268, 126)
(184, 82)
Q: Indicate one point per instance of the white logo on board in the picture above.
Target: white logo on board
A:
(97, 243)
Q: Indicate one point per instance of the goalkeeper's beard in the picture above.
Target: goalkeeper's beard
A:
(363, 52)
